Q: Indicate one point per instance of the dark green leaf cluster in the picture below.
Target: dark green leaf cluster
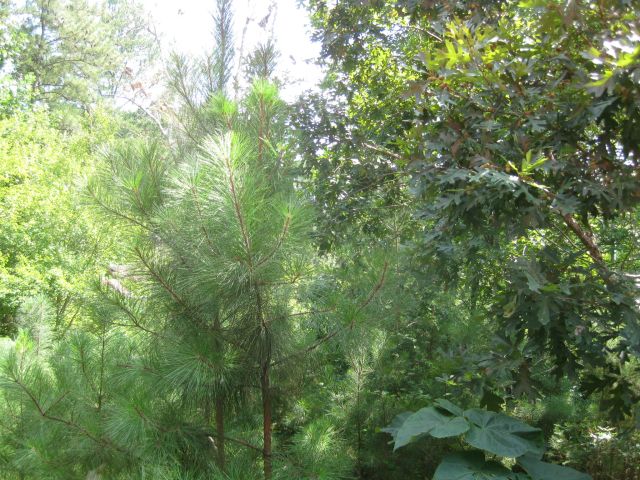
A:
(506, 129)
(495, 433)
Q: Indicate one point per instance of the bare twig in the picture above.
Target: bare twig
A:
(147, 112)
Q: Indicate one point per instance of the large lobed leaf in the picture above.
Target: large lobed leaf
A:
(427, 420)
(502, 435)
(539, 470)
(473, 466)
(492, 432)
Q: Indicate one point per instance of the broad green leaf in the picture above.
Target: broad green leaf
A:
(539, 470)
(396, 423)
(543, 311)
(510, 308)
(532, 4)
(598, 107)
(532, 282)
(429, 420)
(449, 407)
(451, 428)
(471, 466)
(417, 424)
(526, 162)
(502, 435)
(541, 160)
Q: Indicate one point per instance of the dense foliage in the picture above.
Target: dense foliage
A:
(427, 268)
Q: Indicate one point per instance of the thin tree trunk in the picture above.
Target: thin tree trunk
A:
(220, 431)
(265, 353)
(102, 363)
(219, 402)
(359, 430)
(265, 387)
(266, 420)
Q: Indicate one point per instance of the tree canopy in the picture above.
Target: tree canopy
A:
(426, 267)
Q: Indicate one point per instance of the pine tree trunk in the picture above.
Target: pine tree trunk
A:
(219, 403)
(220, 431)
(266, 419)
(265, 386)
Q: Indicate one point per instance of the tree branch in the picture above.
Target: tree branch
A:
(585, 237)
(44, 414)
(285, 229)
(114, 211)
(374, 291)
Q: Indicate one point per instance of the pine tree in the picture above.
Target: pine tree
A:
(74, 52)
(219, 239)
(199, 321)
(200, 86)
(221, 242)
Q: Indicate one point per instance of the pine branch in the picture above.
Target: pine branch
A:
(196, 202)
(53, 405)
(292, 281)
(137, 367)
(238, 211)
(84, 370)
(372, 294)
(43, 413)
(147, 112)
(158, 278)
(240, 442)
(192, 314)
(115, 212)
(310, 312)
(374, 291)
(283, 234)
(135, 320)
